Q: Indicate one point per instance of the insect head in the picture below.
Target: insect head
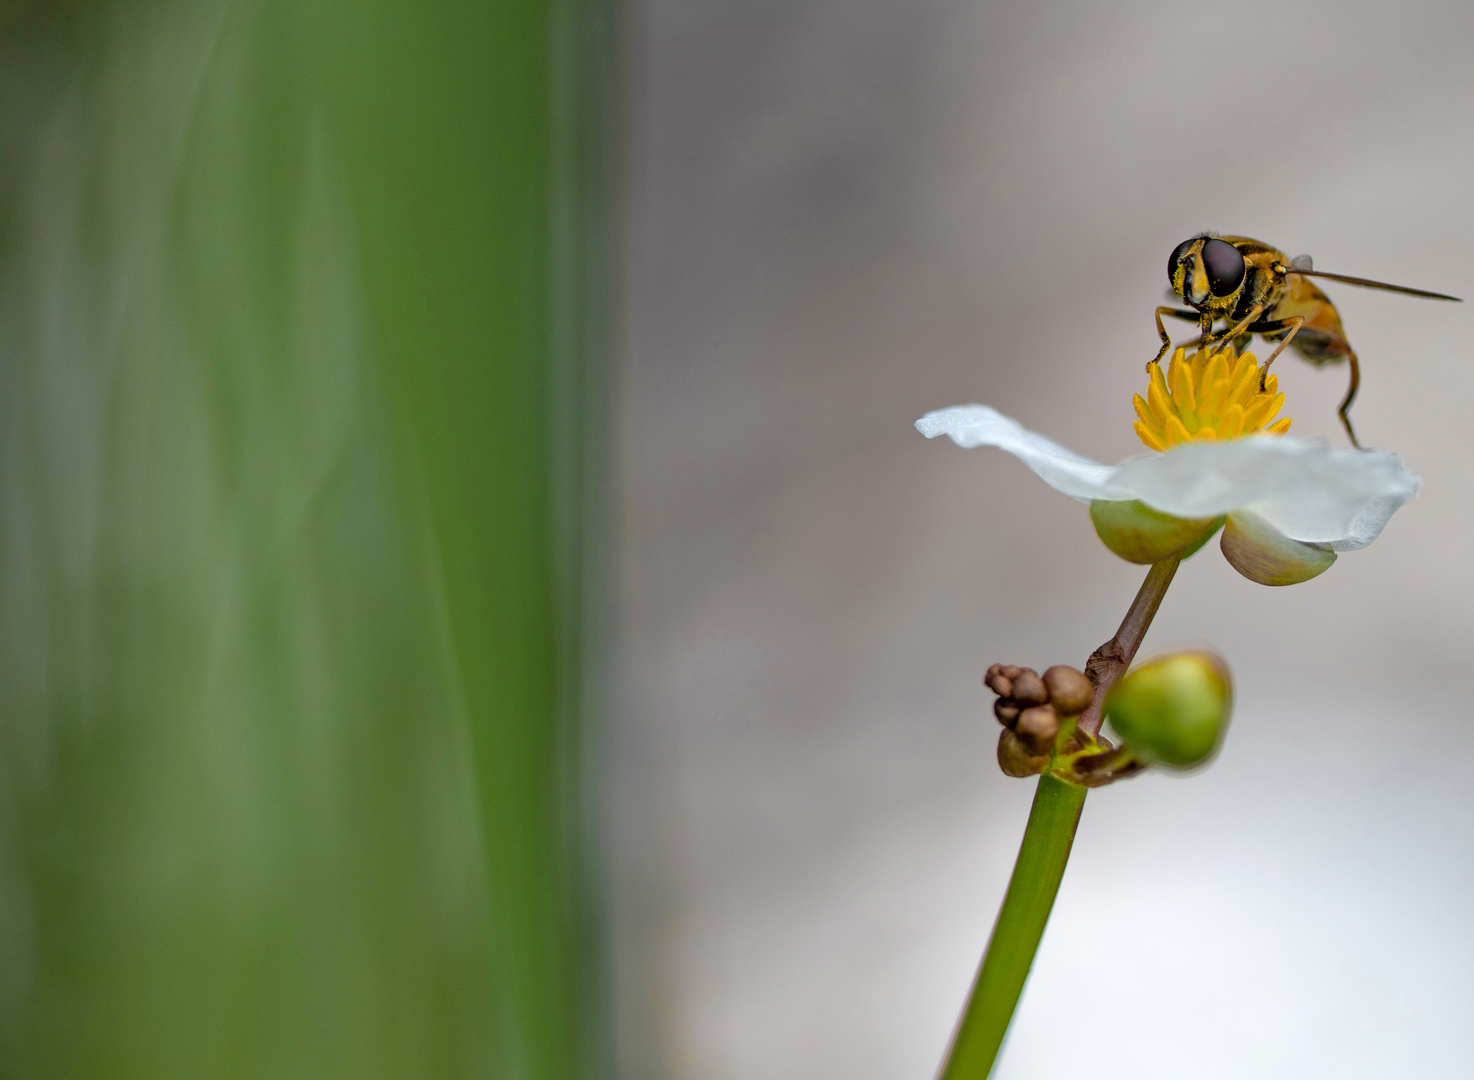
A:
(1205, 270)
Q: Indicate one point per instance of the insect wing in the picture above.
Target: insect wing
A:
(1370, 284)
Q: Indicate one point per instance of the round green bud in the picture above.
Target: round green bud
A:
(1173, 710)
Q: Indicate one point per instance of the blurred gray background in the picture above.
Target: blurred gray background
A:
(843, 215)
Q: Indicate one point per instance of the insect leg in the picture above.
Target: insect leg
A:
(1272, 326)
(1237, 335)
(1176, 313)
(1344, 411)
(1319, 346)
(1234, 331)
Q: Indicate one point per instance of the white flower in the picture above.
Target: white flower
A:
(1287, 504)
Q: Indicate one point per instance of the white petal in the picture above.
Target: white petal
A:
(1064, 470)
(1306, 490)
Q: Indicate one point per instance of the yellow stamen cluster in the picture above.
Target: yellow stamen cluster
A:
(1207, 397)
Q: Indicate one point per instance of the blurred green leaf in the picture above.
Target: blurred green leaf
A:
(299, 323)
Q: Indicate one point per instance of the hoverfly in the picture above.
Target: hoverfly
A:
(1255, 289)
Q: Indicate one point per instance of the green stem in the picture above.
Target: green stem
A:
(1026, 907)
(1041, 862)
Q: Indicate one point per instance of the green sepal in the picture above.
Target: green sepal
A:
(1265, 555)
(1139, 534)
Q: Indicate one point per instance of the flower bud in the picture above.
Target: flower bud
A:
(1028, 688)
(999, 679)
(1015, 759)
(1140, 534)
(1172, 710)
(1037, 727)
(1070, 692)
(1006, 711)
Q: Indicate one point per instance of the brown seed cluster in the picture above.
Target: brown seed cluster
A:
(1030, 707)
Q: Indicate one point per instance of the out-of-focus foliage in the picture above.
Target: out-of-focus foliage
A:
(293, 386)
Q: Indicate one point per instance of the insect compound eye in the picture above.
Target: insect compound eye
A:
(1225, 266)
(1172, 260)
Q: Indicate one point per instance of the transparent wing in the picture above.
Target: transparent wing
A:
(1370, 284)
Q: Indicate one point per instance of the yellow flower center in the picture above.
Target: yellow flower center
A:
(1207, 397)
